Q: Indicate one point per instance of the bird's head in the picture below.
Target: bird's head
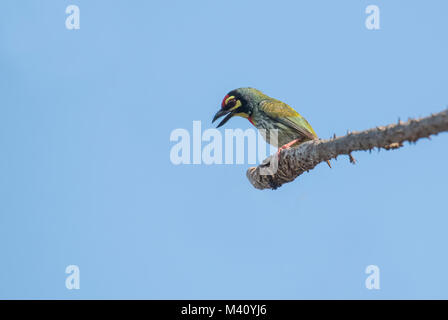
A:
(239, 102)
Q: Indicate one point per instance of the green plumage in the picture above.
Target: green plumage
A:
(291, 119)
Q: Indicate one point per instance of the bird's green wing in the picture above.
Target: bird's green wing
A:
(281, 112)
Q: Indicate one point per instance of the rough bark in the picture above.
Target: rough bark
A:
(295, 161)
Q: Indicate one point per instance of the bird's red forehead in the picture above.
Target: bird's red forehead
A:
(223, 104)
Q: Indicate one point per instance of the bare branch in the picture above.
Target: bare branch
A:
(293, 162)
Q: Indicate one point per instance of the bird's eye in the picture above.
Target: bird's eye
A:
(231, 103)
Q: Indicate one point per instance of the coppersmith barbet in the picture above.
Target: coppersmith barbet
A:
(267, 113)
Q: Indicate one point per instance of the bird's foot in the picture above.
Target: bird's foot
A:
(287, 146)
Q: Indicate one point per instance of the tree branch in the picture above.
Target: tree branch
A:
(295, 161)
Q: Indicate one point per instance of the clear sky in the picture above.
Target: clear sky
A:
(86, 177)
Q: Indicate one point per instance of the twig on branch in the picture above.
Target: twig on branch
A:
(293, 162)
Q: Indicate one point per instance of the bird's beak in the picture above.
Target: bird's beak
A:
(221, 113)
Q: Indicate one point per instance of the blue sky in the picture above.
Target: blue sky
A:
(86, 177)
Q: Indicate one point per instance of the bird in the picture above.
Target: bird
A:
(267, 114)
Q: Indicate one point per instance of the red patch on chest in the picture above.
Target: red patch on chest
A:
(250, 120)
